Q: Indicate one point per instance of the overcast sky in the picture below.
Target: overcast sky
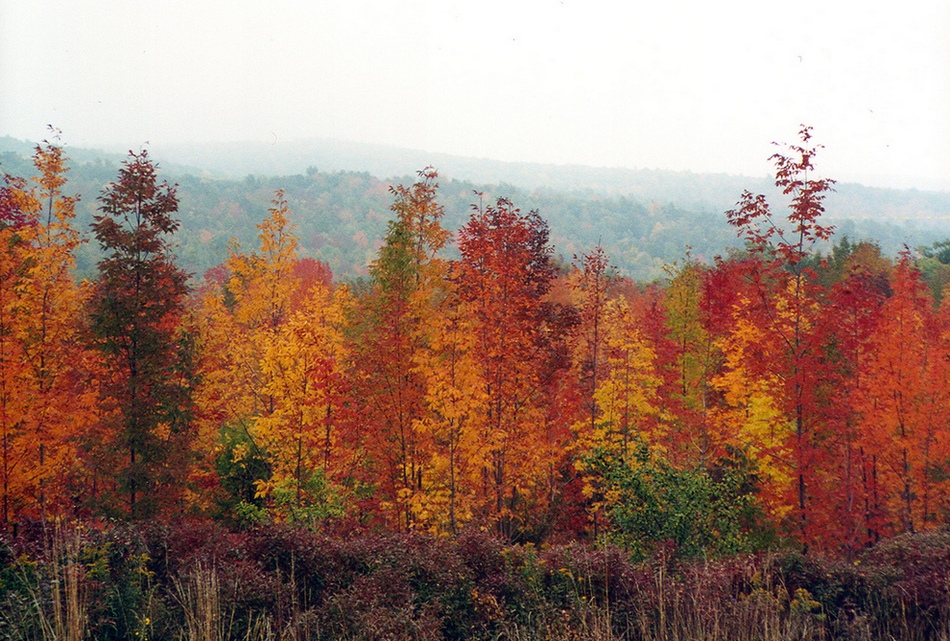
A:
(683, 85)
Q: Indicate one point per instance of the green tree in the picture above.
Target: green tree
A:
(408, 281)
(934, 264)
(699, 510)
(135, 319)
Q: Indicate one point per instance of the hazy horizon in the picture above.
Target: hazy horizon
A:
(682, 86)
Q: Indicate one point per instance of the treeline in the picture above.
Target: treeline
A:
(643, 221)
(342, 217)
(770, 396)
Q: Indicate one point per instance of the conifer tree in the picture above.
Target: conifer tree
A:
(135, 319)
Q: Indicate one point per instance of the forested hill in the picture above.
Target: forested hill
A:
(339, 196)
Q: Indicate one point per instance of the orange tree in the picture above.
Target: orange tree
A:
(901, 405)
(42, 406)
(503, 277)
(392, 336)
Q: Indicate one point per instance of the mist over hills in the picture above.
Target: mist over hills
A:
(694, 191)
(338, 191)
(282, 158)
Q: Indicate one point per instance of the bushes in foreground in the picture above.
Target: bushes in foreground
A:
(197, 580)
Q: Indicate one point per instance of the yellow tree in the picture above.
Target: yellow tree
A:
(258, 294)
(622, 388)
(589, 282)
(263, 284)
(304, 368)
(696, 359)
(751, 415)
(243, 315)
(627, 398)
(454, 393)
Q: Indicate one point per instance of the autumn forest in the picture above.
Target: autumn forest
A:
(775, 396)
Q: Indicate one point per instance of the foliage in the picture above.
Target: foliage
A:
(479, 383)
(42, 401)
(240, 466)
(503, 276)
(143, 580)
(782, 317)
(698, 511)
(408, 282)
(135, 322)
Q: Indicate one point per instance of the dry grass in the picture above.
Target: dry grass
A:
(57, 608)
(199, 595)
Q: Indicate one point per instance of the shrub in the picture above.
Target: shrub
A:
(198, 580)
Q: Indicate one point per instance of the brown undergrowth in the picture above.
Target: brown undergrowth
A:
(197, 581)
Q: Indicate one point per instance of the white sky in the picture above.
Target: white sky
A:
(686, 85)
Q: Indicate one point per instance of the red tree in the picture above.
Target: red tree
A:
(503, 277)
(786, 306)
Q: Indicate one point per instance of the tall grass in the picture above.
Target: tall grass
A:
(51, 602)
(199, 596)
(67, 589)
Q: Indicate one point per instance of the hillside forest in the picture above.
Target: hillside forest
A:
(643, 219)
(775, 395)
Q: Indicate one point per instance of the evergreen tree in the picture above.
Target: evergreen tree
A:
(135, 317)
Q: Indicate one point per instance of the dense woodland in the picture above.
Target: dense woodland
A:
(771, 396)
(476, 439)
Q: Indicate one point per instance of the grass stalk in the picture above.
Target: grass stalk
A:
(199, 595)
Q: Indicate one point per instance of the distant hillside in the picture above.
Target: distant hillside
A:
(696, 191)
(339, 195)
(686, 190)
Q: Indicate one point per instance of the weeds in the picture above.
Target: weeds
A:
(199, 596)
(199, 582)
(47, 602)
